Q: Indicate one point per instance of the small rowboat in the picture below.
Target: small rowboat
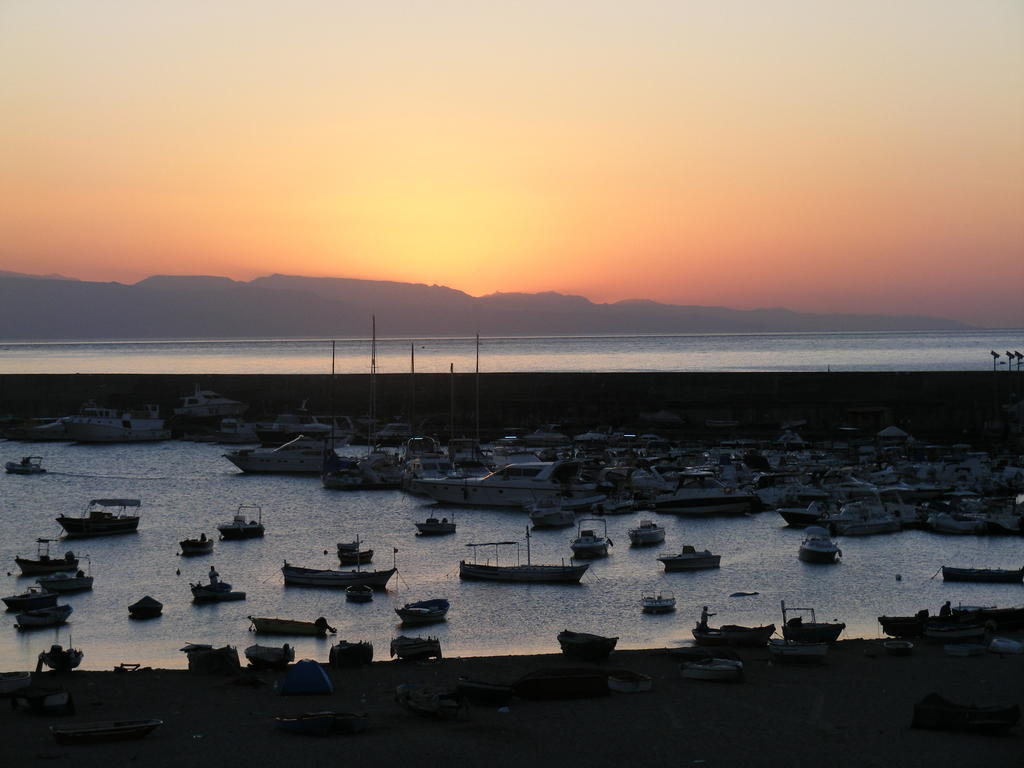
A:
(44, 617)
(728, 670)
(988, 575)
(14, 681)
(359, 593)
(199, 546)
(585, 646)
(91, 733)
(423, 612)
(796, 652)
(627, 681)
(898, 647)
(349, 553)
(346, 654)
(409, 648)
(50, 701)
(318, 628)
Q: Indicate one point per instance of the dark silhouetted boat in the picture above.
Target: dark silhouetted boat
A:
(938, 713)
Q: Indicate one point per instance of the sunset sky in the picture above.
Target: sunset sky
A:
(822, 155)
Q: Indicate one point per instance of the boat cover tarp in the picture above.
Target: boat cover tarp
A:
(306, 678)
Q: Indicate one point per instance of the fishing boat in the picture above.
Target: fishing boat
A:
(359, 593)
(30, 599)
(350, 553)
(200, 545)
(646, 533)
(318, 628)
(689, 559)
(43, 563)
(45, 701)
(518, 573)
(326, 577)
(732, 634)
(818, 547)
(29, 465)
(718, 670)
(904, 626)
(346, 654)
(938, 713)
(588, 543)
(987, 575)
(410, 648)
(954, 632)
(270, 656)
(92, 733)
(214, 592)
(59, 659)
(62, 582)
(586, 646)
(242, 525)
(434, 527)
(145, 608)
(796, 652)
(323, 723)
(98, 520)
(44, 617)
(657, 602)
(798, 629)
(423, 612)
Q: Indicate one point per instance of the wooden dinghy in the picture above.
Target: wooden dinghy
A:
(114, 730)
(323, 723)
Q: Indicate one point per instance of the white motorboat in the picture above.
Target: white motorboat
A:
(862, 518)
(243, 525)
(648, 532)
(943, 522)
(550, 513)
(793, 652)
(702, 494)
(300, 455)
(108, 425)
(215, 592)
(236, 432)
(44, 617)
(657, 602)
(377, 471)
(588, 543)
(29, 465)
(62, 582)
(722, 670)
(689, 559)
(514, 485)
(204, 404)
(818, 547)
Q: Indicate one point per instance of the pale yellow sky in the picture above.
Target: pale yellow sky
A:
(824, 156)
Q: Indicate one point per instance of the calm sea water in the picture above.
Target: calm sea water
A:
(939, 351)
(188, 488)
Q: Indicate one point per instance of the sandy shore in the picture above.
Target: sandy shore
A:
(855, 710)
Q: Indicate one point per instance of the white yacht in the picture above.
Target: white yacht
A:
(204, 404)
(817, 547)
(701, 493)
(301, 455)
(108, 425)
(511, 486)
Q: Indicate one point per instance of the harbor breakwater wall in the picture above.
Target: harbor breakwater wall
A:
(934, 406)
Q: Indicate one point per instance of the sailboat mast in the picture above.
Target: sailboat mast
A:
(451, 406)
(412, 387)
(477, 379)
(372, 432)
(330, 394)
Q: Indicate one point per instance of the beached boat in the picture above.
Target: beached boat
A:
(997, 618)
(733, 634)
(318, 628)
(657, 602)
(10, 682)
(588, 543)
(270, 656)
(518, 573)
(428, 700)
(44, 617)
(646, 533)
(562, 683)
(717, 670)
(98, 520)
(93, 733)
(359, 593)
(586, 646)
(326, 577)
(43, 563)
(938, 713)
(904, 626)
(145, 608)
(818, 547)
(243, 525)
(30, 599)
(987, 575)
(798, 629)
(411, 648)
(627, 681)
(484, 692)
(197, 546)
(346, 654)
(423, 612)
(898, 647)
(961, 650)
(937, 629)
(59, 659)
(28, 465)
(690, 560)
(44, 701)
(434, 527)
(323, 723)
(796, 652)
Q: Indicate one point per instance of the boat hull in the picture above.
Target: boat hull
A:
(733, 635)
(983, 575)
(697, 563)
(536, 574)
(289, 627)
(92, 733)
(314, 577)
(82, 527)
